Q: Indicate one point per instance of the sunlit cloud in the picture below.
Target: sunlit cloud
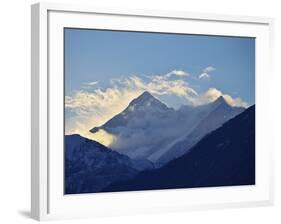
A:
(94, 106)
(212, 94)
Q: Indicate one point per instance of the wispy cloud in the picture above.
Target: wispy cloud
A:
(205, 74)
(91, 83)
(179, 73)
(94, 106)
(209, 69)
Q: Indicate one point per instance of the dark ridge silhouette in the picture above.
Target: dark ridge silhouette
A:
(90, 166)
(225, 157)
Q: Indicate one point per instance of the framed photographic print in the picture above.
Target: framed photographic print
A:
(146, 111)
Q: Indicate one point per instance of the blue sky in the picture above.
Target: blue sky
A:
(94, 57)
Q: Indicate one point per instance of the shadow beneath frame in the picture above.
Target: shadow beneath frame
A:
(25, 213)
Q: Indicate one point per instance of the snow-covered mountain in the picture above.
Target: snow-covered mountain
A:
(143, 124)
(148, 129)
(216, 114)
(90, 166)
(144, 107)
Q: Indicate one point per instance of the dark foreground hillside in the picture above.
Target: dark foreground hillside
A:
(225, 157)
(90, 166)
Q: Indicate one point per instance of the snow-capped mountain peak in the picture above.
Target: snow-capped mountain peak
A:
(146, 101)
(139, 113)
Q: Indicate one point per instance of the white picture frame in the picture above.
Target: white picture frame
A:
(47, 198)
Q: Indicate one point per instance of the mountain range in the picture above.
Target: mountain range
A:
(148, 129)
(158, 147)
(225, 157)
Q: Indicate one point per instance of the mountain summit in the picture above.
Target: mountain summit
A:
(144, 96)
(220, 100)
(135, 115)
(146, 102)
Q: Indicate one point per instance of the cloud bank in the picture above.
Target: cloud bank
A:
(94, 106)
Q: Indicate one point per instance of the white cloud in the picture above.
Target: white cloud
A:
(91, 83)
(179, 73)
(94, 106)
(235, 102)
(204, 75)
(209, 69)
(212, 94)
(164, 86)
